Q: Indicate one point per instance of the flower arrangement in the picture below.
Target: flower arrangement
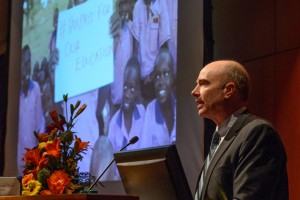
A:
(51, 166)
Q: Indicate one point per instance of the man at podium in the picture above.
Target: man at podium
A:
(247, 159)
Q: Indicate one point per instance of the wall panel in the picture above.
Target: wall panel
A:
(287, 24)
(243, 31)
(261, 100)
(286, 112)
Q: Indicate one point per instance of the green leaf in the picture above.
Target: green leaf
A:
(61, 117)
(72, 108)
(77, 104)
(67, 137)
(65, 97)
(36, 134)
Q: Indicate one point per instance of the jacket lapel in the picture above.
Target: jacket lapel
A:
(229, 138)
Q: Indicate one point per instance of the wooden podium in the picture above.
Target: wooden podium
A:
(71, 197)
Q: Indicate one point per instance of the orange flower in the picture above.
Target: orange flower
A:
(58, 181)
(32, 156)
(52, 149)
(27, 178)
(79, 145)
(45, 192)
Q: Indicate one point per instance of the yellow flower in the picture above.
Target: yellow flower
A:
(41, 145)
(33, 187)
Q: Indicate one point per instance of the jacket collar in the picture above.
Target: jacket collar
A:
(229, 138)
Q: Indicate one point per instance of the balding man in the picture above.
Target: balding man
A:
(247, 159)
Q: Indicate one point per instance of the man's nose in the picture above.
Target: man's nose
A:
(195, 91)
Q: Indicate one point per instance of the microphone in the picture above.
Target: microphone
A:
(133, 140)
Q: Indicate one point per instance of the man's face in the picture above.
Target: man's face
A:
(163, 82)
(25, 70)
(209, 91)
(130, 89)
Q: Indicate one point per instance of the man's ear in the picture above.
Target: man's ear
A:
(229, 90)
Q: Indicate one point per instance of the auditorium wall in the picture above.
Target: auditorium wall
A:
(265, 37)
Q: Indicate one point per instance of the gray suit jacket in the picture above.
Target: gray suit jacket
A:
(250, 163)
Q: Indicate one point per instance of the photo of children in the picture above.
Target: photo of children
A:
(138, 95)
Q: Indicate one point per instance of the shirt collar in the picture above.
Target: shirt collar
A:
(136, 115)
(159, 118)
(31, 86)
(229, 121)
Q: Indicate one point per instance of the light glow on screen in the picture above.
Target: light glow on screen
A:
(78, 30)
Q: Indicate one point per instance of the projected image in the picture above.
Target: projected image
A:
(117, 56)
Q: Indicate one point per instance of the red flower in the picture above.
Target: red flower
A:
(50, 128)
(33, 161)
(54, 116)
(42, 137)
(58, 123)
(43, 162)
(32, 156)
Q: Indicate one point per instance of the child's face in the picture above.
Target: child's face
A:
(130, 89)
(55, 18)
(124, 8)
(77, 2)
(163, 81)
(41, 76)
(147, 2)
(26, 67)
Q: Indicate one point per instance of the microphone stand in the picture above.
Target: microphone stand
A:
(112, 160)
(132, 141)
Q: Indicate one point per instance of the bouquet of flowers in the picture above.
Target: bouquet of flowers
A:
(51, 166)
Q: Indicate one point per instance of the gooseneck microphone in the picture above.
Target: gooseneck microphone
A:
(133, 140)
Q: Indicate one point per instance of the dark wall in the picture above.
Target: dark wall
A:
(4, 21)
(265, 37)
